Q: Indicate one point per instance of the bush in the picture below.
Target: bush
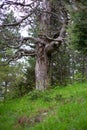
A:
(47, 98)
(34, 95)
(58, 97)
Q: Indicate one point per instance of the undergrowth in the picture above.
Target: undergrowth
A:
(63, 108)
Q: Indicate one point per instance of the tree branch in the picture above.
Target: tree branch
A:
(18, 55)
(35, 40)
(15, 3)
(20, 21)
(49, 48)
(23, 52)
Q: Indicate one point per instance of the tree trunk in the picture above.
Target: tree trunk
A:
(42, 68)
(42, 60)
(43, 51)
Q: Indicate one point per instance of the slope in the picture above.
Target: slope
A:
(62, 108)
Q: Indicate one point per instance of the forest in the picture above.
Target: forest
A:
(43, 64)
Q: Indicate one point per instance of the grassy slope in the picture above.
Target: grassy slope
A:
(55, 109)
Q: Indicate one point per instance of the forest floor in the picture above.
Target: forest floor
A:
(60, 108)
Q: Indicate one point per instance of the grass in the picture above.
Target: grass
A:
(62, 108)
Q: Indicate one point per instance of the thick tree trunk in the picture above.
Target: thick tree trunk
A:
(42, 60)
(42, 68)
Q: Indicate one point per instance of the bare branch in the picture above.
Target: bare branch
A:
(29, 38)
(20, 21)
(23, 52)
(15, 3)
(34, 40)
(23, 4)
(62, 30)
(16, 23)
(18, 55)
(49, 48)
(17, 42)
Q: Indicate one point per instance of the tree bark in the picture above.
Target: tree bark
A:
(42, 59)
(42, 68)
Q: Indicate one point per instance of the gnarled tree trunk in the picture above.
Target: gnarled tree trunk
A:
(42, 68)
(42, 60)
(50, 16)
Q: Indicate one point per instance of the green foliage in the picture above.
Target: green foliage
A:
(78, 29)
(60, 66)
(44, 95)
(17, 88)
(67, 114)
(35, 95)
(47, 98)
(10, 80)
(30, 74)
(7, 43)
(58, 97)
(12, 74)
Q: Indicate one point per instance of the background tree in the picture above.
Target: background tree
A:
(30, 74)
(12, 73)
(78, 26)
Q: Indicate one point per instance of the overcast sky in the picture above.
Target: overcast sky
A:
(17, 14)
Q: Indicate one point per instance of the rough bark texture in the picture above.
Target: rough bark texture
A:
(42, 59)
(44, 50)
(42, 68)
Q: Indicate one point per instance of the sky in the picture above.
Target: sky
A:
(17, 14)
(24, 31)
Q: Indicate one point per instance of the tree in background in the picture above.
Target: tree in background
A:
(78, 26)
(10, 78)
(30, 75)
(70, 60)
(12, 73)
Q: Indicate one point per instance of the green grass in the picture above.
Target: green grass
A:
(62, 108)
